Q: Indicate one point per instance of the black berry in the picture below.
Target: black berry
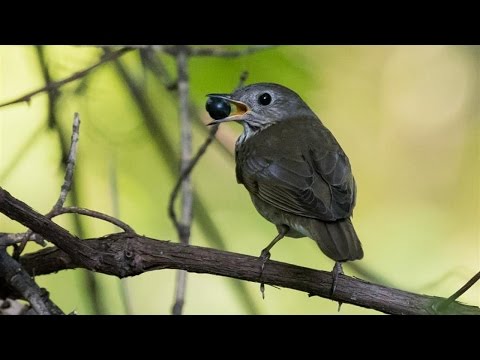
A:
(218, 108)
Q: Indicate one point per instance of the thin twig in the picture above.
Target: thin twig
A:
(11, 239)
(20, 280)
(444, 304)
(205, 222)
(183, 227)
(191, 164)
(66, 186)
(94, 214)
(55, 85)
(229, 53)
(71, 160)
(173, 50)
(187, 168)
(214, 52)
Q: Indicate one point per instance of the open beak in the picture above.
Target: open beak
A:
(238, 109)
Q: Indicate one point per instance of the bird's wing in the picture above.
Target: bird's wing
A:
(316, 183)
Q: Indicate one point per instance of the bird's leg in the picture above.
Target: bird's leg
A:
(265, 254)
(337, 269)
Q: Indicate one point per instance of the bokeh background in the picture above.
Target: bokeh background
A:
(408, 117)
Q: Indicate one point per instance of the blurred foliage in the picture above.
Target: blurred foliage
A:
(407, 116)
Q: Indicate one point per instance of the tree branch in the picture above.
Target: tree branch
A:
(136, 254)
(444, 304)
(24, 214)
(71, 160)
(173, 50)
(55, 85)
(127, 254)
(19, 280)
(94, 214)
(184, 226)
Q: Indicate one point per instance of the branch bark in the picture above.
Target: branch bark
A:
(135, 254)
(18, 279)
(128, 254)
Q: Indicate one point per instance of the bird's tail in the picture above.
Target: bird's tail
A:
(338, 240)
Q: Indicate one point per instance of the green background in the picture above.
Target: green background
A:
(407, 117)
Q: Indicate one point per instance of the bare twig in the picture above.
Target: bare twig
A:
(19, 280)
(191, 164)
(94, 214)
(55, 85)
(66, 186)
(187, 167)
(195, 51)
(10, 239)
(71, 160)
(187, 170)
(229, 53)
(215, 52)
(183, 227)
(204, 219)
(445, 303)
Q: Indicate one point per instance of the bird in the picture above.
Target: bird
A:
(297, 174)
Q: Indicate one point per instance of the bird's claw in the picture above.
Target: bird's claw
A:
(337, 269)
(264, 257)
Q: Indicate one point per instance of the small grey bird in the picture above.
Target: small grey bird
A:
(297, 174)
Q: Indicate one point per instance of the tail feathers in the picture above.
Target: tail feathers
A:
(338, 240)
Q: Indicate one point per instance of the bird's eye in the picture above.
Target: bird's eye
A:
(264, 99)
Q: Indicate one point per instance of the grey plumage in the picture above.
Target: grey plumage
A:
(294, 169)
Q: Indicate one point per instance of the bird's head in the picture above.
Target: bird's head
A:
(256, 106)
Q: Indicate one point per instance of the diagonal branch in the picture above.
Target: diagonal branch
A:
(66, 186)
(21, 281)
(444, 304)
(55, 85)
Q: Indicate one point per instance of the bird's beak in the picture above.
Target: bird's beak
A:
(238, 109)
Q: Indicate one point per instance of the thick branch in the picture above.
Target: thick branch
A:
(136, 254)
(130, 254)
(40, 224)
(18, 279)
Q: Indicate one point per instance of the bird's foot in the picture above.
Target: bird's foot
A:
(262, 290)
(264, 256)
(337, 269)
